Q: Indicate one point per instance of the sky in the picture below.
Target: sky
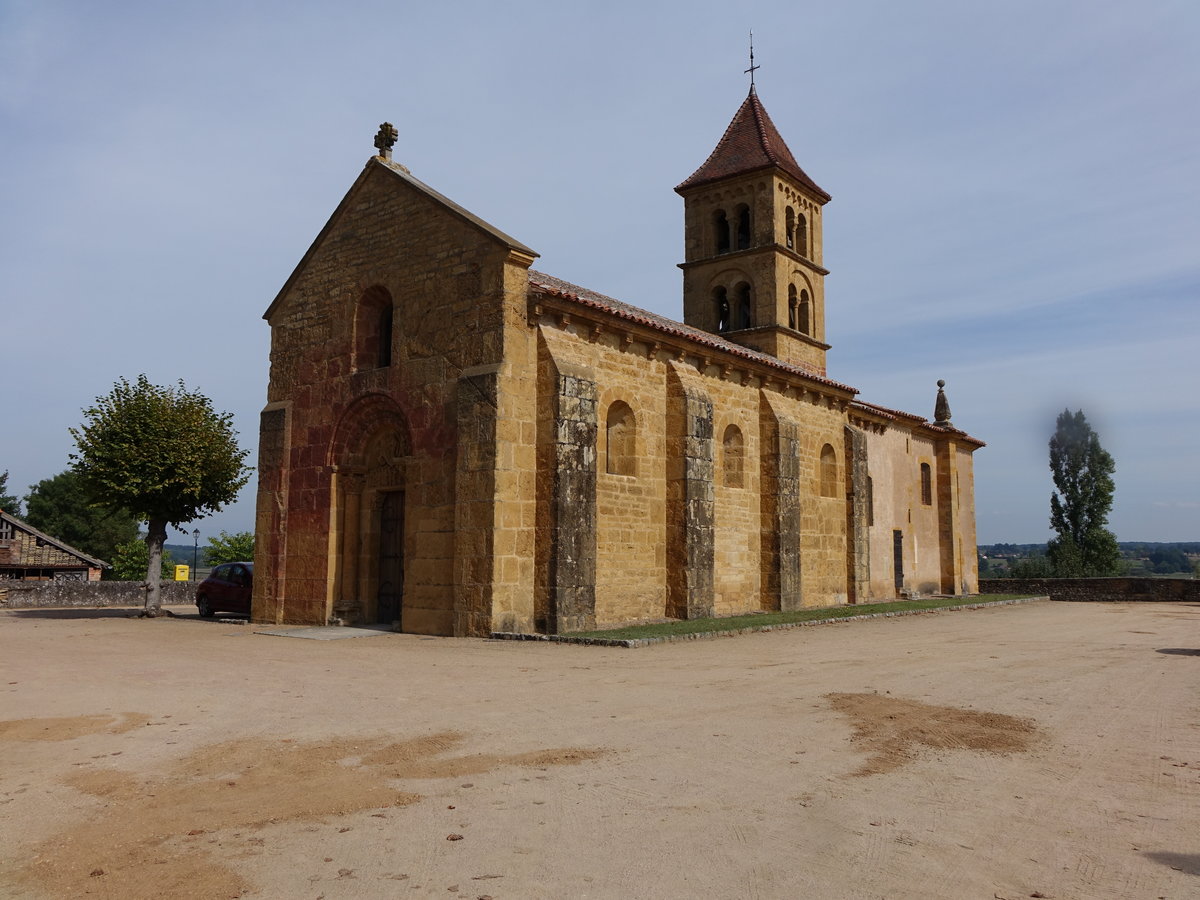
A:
(1016, 197)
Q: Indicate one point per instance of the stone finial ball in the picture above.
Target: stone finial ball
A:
(941, 383)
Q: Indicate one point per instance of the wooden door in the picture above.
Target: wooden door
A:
(391, 558)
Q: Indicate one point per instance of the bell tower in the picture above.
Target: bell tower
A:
(752, 268)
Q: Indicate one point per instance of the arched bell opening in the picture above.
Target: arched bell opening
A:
(743, 227)
(743, 307)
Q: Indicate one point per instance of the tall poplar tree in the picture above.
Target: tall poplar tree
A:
(1079, 508)
(164, 454)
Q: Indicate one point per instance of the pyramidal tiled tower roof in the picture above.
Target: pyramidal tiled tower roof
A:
(751, 142)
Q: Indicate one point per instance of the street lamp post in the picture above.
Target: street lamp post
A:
(195, 550)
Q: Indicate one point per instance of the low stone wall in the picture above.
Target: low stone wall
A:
(1111, 590)
(74, 594)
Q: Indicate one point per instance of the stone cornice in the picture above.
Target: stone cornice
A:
(729, 360)
(751, 251)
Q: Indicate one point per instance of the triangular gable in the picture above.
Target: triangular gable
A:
(402, 173)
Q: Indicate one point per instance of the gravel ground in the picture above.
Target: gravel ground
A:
(1040, 750)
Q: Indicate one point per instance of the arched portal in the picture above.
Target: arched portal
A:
(370, 454)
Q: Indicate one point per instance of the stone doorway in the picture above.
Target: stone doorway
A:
(368, 565)
(389, 595)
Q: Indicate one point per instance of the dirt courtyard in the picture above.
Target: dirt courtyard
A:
(1039, 750)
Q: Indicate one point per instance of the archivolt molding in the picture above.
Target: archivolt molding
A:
(372, 277)
(722, 421)
(802, 282)
(359, 427)
(611, 395)
(729, 279)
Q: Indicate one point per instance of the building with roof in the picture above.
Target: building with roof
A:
(456, 443)
(27, 554)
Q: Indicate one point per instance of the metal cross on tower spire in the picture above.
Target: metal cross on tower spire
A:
(750, 70)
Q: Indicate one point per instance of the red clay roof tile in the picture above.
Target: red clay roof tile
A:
(556, 287)
(541, 283)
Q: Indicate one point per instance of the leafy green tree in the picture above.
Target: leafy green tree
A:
(131, 559)
(164, 454)
(62, 508)
(1079, 508)
(1169, 560)
(236, 547)
(1035, 565)
(8, 502)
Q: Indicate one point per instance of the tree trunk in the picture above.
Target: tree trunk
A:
(156, 535)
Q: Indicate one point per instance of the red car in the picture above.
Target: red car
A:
(228, 589)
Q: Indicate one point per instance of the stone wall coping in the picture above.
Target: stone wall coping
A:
(84, 594)
(1112, 589)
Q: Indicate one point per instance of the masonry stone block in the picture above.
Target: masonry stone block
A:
(858, 556)
(573, 550)
(787, 517)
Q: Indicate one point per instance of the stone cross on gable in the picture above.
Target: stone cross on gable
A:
(385, 139)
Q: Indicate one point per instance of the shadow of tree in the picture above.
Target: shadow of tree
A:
(101, 612)
(1188, 863)
(90, 612)
(1180, 651)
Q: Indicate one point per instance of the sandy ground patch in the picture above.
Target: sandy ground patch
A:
(895, 730)
(1047, 749)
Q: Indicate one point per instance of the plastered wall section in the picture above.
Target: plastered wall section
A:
(965, 547)
(889, 467)
(925, 527)
(938, 537)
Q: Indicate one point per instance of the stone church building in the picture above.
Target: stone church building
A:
(458, 444)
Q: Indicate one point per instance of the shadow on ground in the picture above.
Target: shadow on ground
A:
(108, 612)
(1179, 651)
(1182, 862)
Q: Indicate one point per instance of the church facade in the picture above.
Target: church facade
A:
(456, 443)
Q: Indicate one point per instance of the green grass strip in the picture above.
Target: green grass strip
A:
(757, 620)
